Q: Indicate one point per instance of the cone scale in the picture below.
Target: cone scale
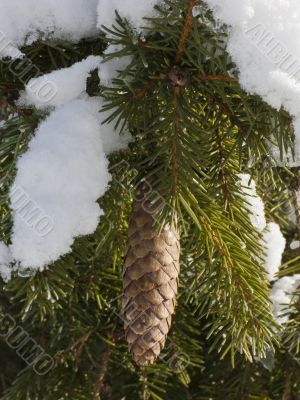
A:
(150, 281)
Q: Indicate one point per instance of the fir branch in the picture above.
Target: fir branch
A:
(216, 78)
(145, 395)
(187, 26)
(139, 94)
(77, 347)
(233, 274)
(102, 372)
(288, 385)
(222, 175)
(11, 108)
(227, 306)
(175, 165)
(295, 201)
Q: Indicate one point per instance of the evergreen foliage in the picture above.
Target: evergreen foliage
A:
(195, 130)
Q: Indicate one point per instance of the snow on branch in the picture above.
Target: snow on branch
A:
(134, 11)
(69, 84)
(264, 44)
(65, 172)
(23, 22)
(273, 243)
(254, 203)
(282, 295)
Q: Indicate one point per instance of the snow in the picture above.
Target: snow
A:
(58, 182)
(70, 84)
(295, 245)
(134, 11)
(23, 22)
(63, 173)
(60, 86)
(109, 68)
(5, 259)
(273, 240)
(263, 42)
(280, 160)
(282, 295)
(253, 202)
(111, 139)
(274, 243)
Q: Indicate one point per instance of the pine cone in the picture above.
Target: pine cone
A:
(150, 281)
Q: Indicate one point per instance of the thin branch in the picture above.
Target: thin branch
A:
(7, 106)
(219, 78)
(175, 165)
(222, 174)
(288, 387)
(139, 94)
(77, 347)
(224, 252)
(145, 391)
(142, 92)
(103, 368)
(187, 26)
(296, 202)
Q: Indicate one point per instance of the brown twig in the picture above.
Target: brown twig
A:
(187, 26)
(101, 375)
(7, 106)
(297, 209)
(296, 201)
(220, 78)
(222, 174)
(141, 93)
(287, 387)
(175, 166)
(77, 347)
(145, 391)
